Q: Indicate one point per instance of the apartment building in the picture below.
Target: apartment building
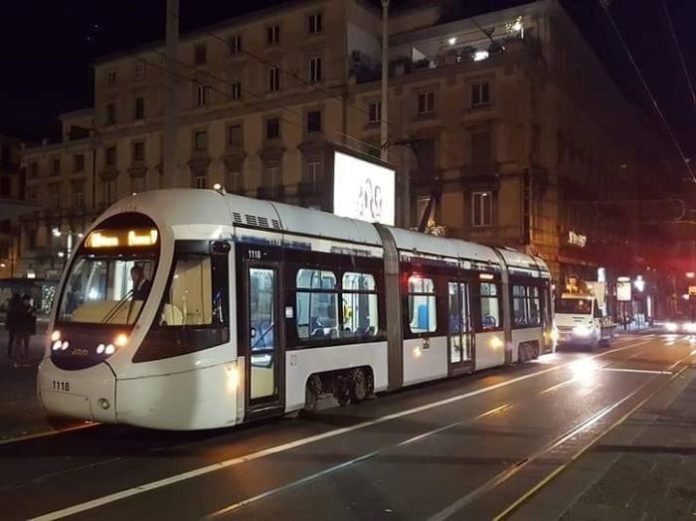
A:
(507, 130)
(499, 127)
(11, 204)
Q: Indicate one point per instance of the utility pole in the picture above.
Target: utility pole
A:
(170, 116)
(384, 109)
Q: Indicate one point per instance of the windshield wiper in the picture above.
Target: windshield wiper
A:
(112, 312)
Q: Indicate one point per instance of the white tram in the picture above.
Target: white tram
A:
(239, 309)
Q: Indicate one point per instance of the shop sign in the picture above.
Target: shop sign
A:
(577, 239)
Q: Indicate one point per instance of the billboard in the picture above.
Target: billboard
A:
(363, 190)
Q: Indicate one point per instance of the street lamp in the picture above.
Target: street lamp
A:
(690, 274)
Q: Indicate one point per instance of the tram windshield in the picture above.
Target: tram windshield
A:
(106, 289)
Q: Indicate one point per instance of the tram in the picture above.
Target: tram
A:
(189, 309)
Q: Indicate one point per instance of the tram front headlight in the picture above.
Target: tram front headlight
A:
(56, 345)
(110, 349)
(100, 348)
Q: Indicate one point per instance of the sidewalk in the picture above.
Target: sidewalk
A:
(643, 470)
(20, 411)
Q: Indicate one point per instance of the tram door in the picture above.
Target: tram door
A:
(265, 361)
(460, 336)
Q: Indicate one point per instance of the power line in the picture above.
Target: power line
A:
(605, 7)
(212, 88)
(262, 97)
(679, 53)
(313, 85)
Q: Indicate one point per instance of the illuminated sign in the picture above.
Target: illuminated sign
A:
(121, 238)
(363, 190)
(623, 289)
(144, 239)
(577, 239)
(99, 240)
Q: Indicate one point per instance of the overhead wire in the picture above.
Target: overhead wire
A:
(656, 106)
(272, 102)
(314, 85)
(680, 54)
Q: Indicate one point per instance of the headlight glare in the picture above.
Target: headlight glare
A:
(582, 330)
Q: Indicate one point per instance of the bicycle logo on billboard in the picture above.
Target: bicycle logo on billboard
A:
(369, 202)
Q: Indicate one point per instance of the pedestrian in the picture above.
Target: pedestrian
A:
(27, 327)
(12, 321)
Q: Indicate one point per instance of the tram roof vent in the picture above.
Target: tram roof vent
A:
(237, 217)
(251, 220)
(275, 223)
(263, 222)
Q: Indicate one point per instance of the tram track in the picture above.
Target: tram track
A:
(537, 487)
(630, 343)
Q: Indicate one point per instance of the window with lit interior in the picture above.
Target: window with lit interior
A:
(316, 304)
(360, 308)
(421, 305)
(490, 306)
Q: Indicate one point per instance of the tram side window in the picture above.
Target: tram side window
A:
(421, 305)
(189, 299)
(359, 296)
(490, 306)
(525, 305)
(316, 304)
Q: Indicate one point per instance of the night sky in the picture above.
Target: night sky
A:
(46, 56)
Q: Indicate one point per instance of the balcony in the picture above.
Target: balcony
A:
(459, 55)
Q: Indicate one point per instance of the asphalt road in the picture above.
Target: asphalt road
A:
(465, 448)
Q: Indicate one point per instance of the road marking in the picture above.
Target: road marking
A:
(514, 469)
(46, 434)
(201, 471)
(624, 370)
(557, 386)
(545, 481)
(312, 477)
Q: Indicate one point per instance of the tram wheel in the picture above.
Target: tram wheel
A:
(314, 390)
(359, 386)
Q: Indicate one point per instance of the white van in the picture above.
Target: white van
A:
(579, 321)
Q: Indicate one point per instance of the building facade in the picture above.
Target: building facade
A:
(504, 130)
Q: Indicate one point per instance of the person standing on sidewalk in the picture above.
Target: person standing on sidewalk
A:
(14, 309)
(27, 327)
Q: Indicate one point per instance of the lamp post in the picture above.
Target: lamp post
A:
(69, 235)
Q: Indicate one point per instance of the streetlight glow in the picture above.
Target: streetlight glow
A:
(690, 274)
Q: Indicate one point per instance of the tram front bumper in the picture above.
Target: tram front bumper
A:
(85, 394)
